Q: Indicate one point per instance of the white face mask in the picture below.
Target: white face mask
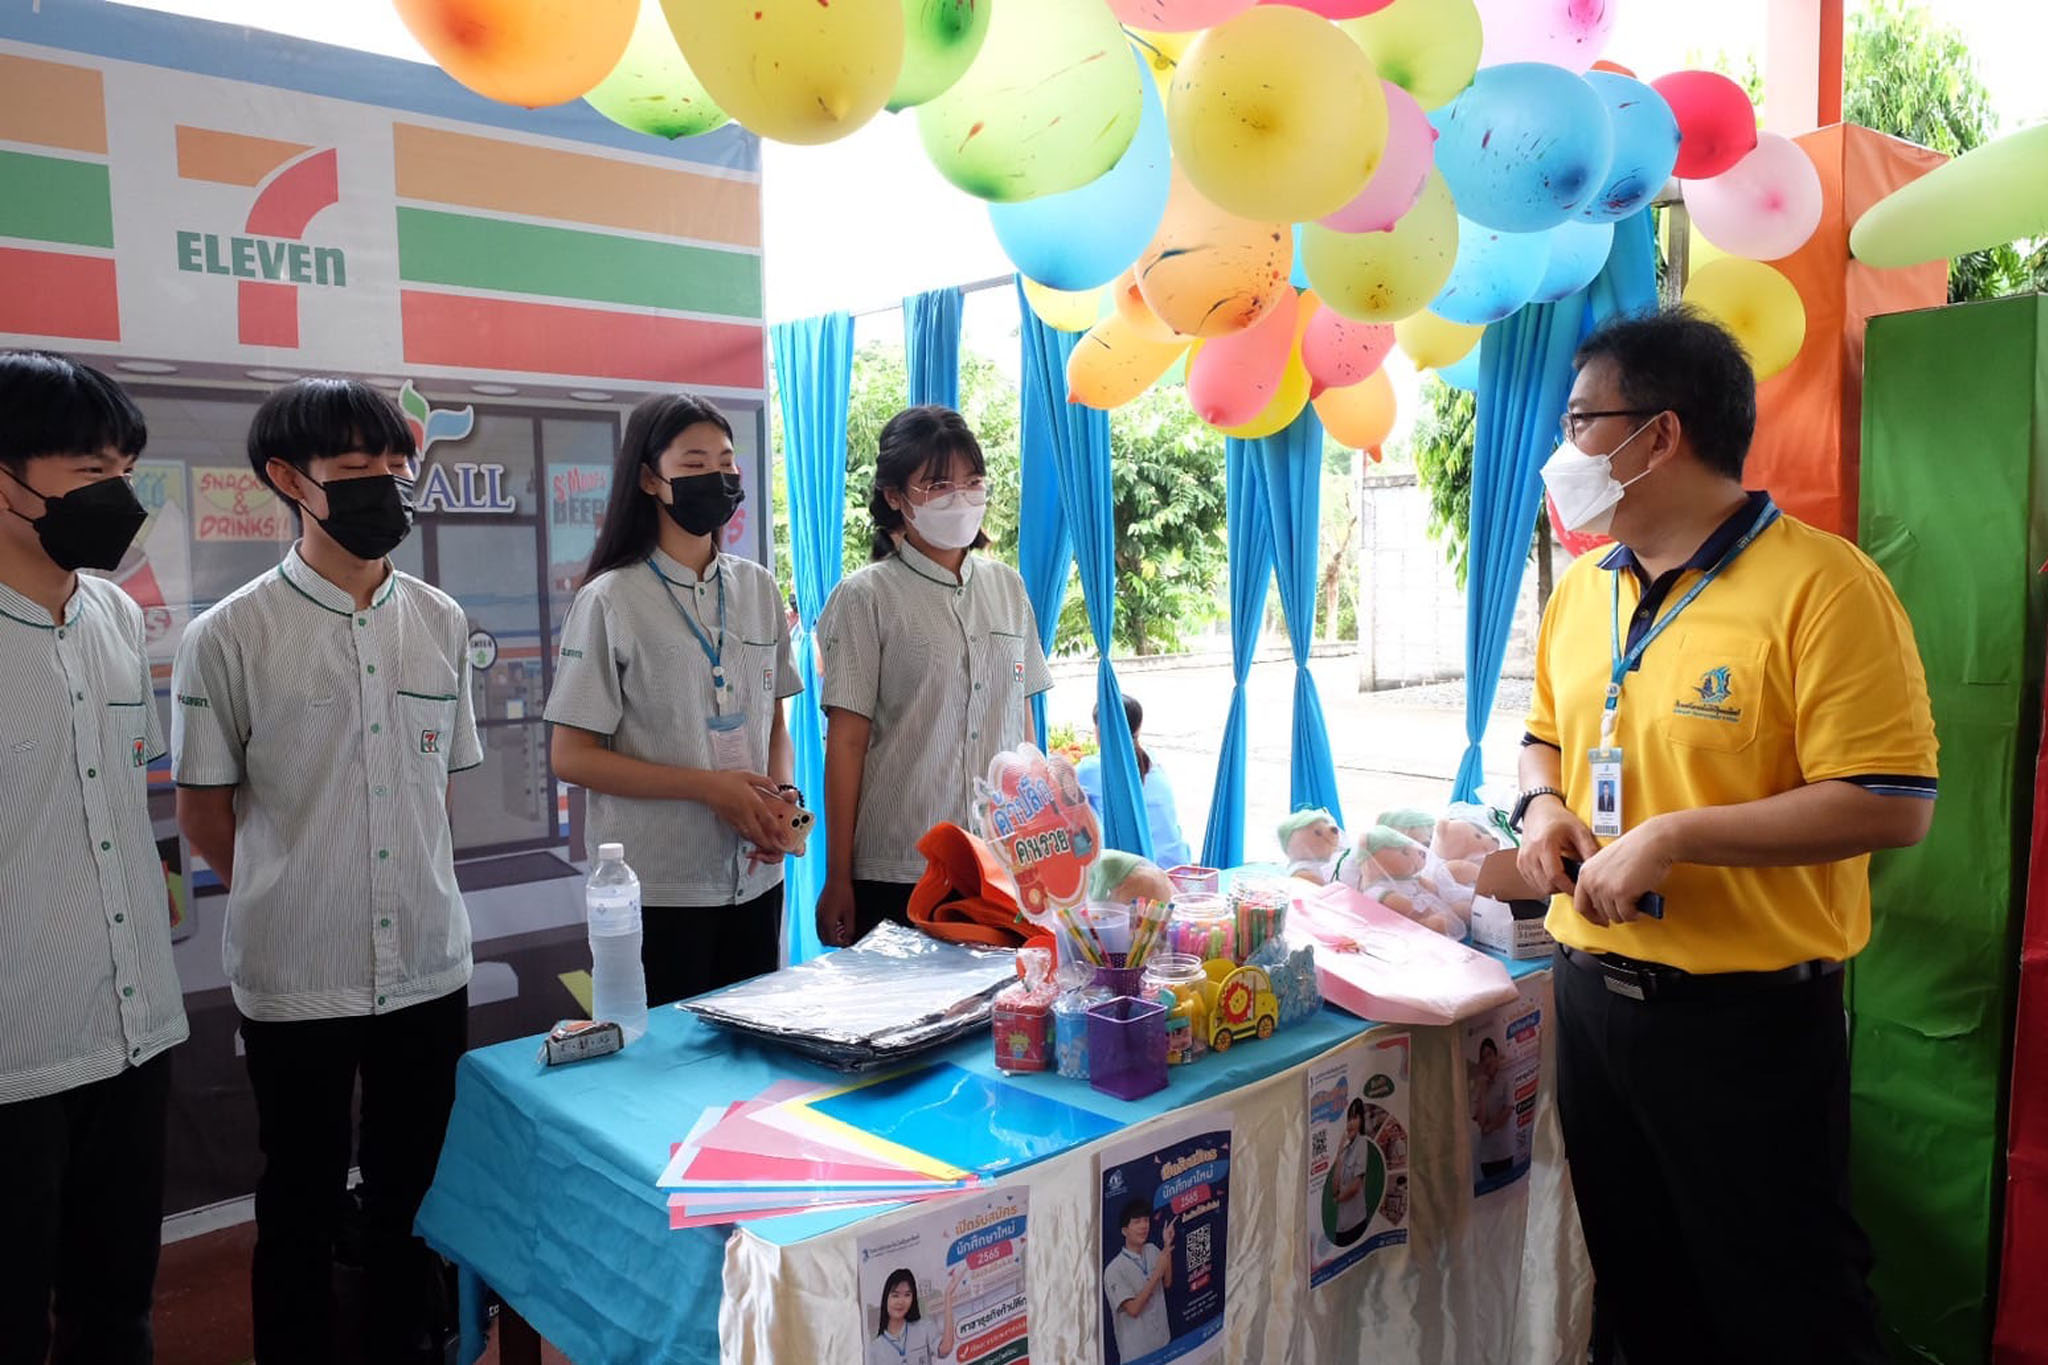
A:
(1583, 486)
(950, 522)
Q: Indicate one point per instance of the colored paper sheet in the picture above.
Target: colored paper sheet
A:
(952, 1115)
(696, 1164)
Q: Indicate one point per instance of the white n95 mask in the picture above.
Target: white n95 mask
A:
(1583, 486)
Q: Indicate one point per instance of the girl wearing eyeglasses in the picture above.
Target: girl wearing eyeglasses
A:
(929, 655)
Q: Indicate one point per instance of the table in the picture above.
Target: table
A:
(546, 1192)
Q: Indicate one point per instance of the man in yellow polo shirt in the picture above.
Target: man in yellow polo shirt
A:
(1729, 712)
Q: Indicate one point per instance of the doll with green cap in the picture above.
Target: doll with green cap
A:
(1120, 878)
(1393, 875)
(1314, 846)
(1418, 825)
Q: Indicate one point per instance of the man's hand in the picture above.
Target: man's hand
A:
(1617, 876)
(1550, 834)
(835, 913)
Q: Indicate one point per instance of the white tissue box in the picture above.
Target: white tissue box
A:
(1511, 927)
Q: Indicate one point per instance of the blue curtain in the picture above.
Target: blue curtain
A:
(931, 346)
(1251, 572)
(1045, 551)
(1078, 440)
(1525, 376)
(813, 378)
(1291, 464)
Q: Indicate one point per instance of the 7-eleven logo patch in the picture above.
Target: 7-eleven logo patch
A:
(140, 758)
(430, 741)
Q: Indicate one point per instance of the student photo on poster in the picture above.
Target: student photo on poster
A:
(1357, 1105)
(1503, 1054)
(1165, 1202)
(946, 1285)
(902, 1334)
(1134, 1283)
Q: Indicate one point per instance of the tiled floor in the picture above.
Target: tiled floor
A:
(202, 1302)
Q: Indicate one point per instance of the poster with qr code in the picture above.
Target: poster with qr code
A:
(1357, 1154)
(947, 1287)
(1165, 1232)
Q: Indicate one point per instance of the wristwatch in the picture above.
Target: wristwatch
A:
(1523, 803)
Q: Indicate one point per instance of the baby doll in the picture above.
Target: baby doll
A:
(1418, 825)
(1462, 841)
(1392, 874)
(1314, 846)
(1120, 878)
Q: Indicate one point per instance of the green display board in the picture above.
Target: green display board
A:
(1955, 510)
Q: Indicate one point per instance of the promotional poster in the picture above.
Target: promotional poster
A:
(1165, 1232)
(1358, 1142)
(948, 1285)
(1503, 1070)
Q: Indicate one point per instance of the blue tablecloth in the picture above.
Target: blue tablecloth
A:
(546, 1184)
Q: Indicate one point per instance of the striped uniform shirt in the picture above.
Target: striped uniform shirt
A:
(631, 671)
(339, 728)
(943, 667)
(85, 934)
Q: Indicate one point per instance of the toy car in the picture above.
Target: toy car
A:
(1240, 1001)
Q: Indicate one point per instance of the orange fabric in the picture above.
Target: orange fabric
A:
(965, 895)
(1809, 435)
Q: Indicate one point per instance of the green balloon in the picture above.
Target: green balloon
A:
(1050, 104)
(652, 89)
(1984, 198)
(940, 41)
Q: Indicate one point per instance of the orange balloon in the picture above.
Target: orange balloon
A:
(1210, 273)
(1112, 364)
(1359, 415)
(1615, 68)
(528, 52)
(1131, 306)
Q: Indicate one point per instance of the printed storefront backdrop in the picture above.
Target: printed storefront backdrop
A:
(207, 211)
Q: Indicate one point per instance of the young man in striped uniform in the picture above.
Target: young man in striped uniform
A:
(320, 711)
(92, 1002)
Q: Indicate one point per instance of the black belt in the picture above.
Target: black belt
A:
(1636, 980)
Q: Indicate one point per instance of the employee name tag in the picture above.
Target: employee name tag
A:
(729, 742)
(1606, 792)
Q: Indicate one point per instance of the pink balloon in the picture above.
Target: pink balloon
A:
(1567, 33)
(1765, 206)
(1232, 378)
(1335, 9)
(1404, 167)
(1176, 16)
(1340, 352)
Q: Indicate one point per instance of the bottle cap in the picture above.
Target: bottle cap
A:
(608, 852)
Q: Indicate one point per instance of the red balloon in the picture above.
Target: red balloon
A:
(1716, 122)
(1575, 543)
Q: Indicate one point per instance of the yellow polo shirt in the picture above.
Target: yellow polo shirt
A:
(1795, 665)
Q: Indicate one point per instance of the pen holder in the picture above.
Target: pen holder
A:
(1120, 980)
(1127, 1047)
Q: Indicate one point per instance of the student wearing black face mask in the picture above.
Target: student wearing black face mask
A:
(668, 704)
(89, 1000)
(320, 712)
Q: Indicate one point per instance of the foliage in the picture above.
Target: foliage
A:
(1442, 450)
(1071, 742)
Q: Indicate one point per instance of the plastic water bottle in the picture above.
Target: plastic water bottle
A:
(618, 983)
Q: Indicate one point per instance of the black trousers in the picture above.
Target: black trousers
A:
(1709, 1144)
(85, 1210)
(304, 1074)
(688, 950)
(874, 902)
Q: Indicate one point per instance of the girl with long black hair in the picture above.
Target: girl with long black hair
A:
(667, 705)
(902, 1336)
(929, 655)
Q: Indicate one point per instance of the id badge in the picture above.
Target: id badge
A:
(1607, 795)
(729, 742)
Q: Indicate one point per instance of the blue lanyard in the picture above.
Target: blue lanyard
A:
(1624, 664)
(1136, 1260)
(902, 1347)
(712, 652)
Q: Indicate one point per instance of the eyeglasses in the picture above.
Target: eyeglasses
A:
(1573, 423)
(974, 490)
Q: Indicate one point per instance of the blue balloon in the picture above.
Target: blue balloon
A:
(1299, 276)
(1085, 237)
(1578, 252)
(1525, 147)
(1495, 273)
(1645, 147)
(1464, 374)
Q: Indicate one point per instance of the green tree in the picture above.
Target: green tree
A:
(1907, 74)
(1441, 448)
(1166, 476)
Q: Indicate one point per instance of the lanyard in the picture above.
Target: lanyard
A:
(903, 1346)
(713, 652)
(1625, 663)
(1136, 1260)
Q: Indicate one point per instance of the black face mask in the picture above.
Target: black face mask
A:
(369, 516)
(89, 527)
(704, 502)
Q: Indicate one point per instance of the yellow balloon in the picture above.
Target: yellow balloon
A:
(793, 70)
(652, 89)
(1433, 342)
(1208, 272)
(1273, 116)
(1385, 276)
(530, 52)
(1063, 310)
(1113, 364)
(1292, 395)
(1430, 48)
(1131, 306)
(1162, 53)
(1361, 415)
(1757, 304)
